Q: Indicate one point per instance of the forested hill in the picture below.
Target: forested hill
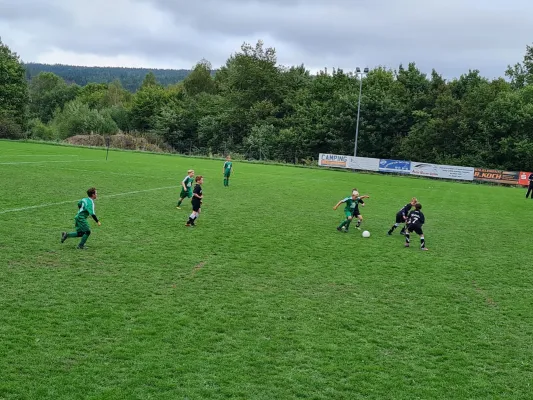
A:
(131, 78)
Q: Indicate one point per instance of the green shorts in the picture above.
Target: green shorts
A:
(81, 225)
(347, 214)
(184, 194)
(227, 173)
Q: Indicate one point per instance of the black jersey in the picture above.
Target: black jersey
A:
(404, 210)
(356, 209)
(416, 217)
(197, 190)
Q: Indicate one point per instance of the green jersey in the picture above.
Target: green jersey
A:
(86, 208)
(187, 181)
(351, 204)
(227, 166)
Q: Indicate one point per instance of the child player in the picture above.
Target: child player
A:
(85, 209)
(401, 216)
(186, 187)
(197, 197)
(226, 170)
(351, 207)
(414, 223)
(356, 212)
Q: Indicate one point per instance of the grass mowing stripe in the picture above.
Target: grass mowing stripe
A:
(70, 201)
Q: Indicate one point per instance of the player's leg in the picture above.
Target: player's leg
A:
(347, 214)
(529, 190)
(399, 220)
(347, 225)
(359, 221)
(84, 237)
(419, 231)
(408, 235)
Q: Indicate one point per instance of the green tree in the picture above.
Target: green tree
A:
(49, 92)
(13, 93)
(200, 79)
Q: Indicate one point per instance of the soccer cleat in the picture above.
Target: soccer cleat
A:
(63, 236)
(346, 231)
(406, 245)
(424, 248)
(339, 229)
(389, 233)
(187, 224)
(178, 207)
(81, 247)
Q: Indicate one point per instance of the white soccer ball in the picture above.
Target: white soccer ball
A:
(366, 234)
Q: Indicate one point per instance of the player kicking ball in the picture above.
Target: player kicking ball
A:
(414, 223)
(351, 209)
(401, 216)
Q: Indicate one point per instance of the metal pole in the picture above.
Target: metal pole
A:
(358, 111)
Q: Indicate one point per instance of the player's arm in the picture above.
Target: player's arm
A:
(90, 208)
(338, 204)
(183, 184)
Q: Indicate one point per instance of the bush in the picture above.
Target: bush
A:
(9, 129)
(38, 130)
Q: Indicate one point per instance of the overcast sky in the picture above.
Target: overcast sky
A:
(451, 36)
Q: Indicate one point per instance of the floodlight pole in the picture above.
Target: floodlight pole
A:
(360, 75)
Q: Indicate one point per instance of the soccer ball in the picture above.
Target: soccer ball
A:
(366, 234)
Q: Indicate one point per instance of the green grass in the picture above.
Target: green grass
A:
(264, 299)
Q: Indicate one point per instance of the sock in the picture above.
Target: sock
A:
(393, 227)
(83, 240)
(342, 223)
(407, 238)
(347, 224)
(225, 182)
(422, 242)
(72, 234)
(358, 223)
(179, 202)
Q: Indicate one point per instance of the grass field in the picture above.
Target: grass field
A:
(264, 299)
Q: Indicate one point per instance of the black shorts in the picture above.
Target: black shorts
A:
(399, 218)
(356, 214)
(417, 228)
(196, 205)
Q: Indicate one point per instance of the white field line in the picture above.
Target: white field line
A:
(73, 201)
(40, 162)
(38, 155)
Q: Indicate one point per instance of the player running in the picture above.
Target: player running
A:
(414, 223)
(401, 216)
(85, 209)
(186, 187)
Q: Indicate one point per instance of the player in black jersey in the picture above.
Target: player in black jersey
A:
(197, 198)
(401, 216)
(414, 223)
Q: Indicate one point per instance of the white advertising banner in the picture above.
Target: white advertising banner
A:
(442, 171)
(332, 160)
(364, 163)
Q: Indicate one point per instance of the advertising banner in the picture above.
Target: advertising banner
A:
(496, 176)
(523, 178)
(364, 163)
(332, 160)
(398, 166)
(442, 171)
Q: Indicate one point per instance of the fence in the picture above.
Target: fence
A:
(424, 169)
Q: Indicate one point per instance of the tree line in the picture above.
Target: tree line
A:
(130, 78)
(258, 109)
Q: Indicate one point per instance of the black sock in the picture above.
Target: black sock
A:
(407, 237)
(422, 242)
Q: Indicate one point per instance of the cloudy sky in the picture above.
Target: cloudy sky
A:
(451, 36)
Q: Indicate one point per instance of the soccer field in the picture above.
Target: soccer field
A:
(264, 298)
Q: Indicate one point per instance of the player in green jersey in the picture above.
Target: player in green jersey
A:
(186, 187)
(226, 170)
(85, 209)
(351, 207)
